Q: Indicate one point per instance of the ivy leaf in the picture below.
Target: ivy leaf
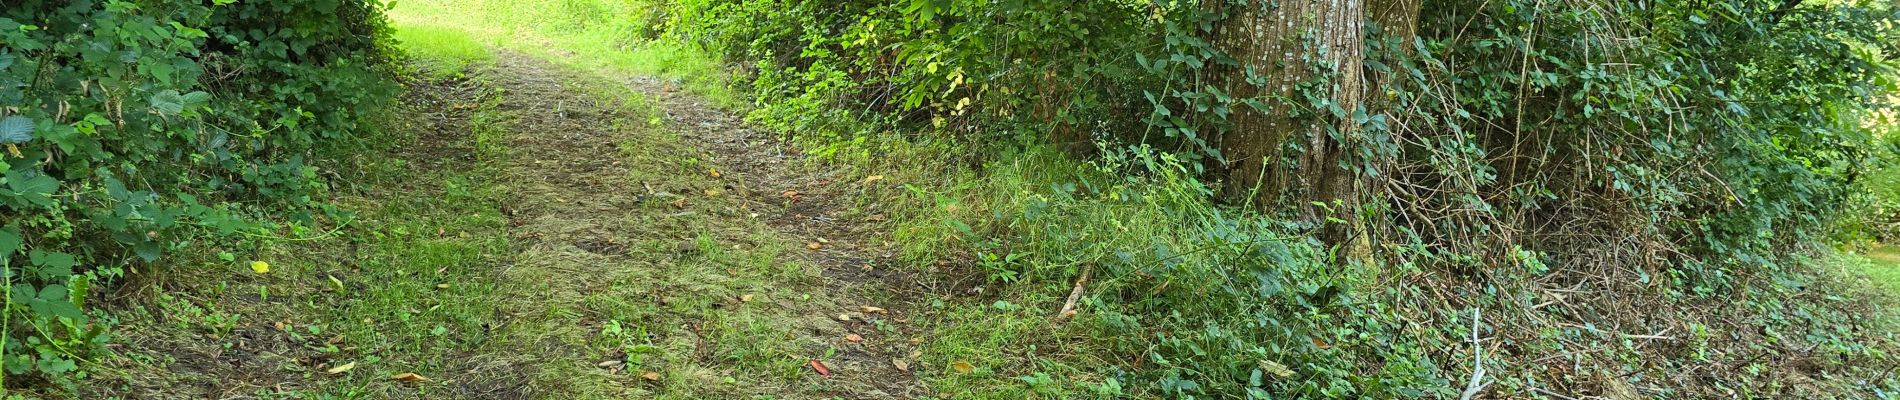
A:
(168, 103)
(15, 129)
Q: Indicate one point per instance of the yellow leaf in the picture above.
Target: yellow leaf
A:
(341, 368)
(874, 178)
(873, 310)
(650, 375)
(962, 367)
(410, 377)
(745, 298)
(713, 172)
(900, 364)
(814, 246)
(260, 267)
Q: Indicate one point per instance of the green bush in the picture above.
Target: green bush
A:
(136, 128)
(1662, 156)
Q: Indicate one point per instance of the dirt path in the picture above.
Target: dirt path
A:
(665, 249)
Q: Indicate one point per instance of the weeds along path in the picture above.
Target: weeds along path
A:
(664, 250)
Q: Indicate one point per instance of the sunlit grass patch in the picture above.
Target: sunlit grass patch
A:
(444, 52)
(1881, 264)
(603, 37)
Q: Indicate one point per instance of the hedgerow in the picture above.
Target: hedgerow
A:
(133, 129)
(1627, 197)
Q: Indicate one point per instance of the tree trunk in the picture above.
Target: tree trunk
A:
(1311, 55)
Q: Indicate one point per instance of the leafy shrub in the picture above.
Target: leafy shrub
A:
(136, 128)
(1679, 157)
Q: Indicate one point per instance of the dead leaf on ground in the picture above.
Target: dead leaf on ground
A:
(853, 338)
(611, 364)
(650, 375)
(873, 310)
(1321, 343)
(1275, 368)
(814, 245)
(712, 192)
(341, 368)
(874, 178)
(844, 317)
(745, 298)
(791, 194)
(409, 377)
(820, 367)
(713, 172)
(900, 364)
(681, 203)
(962, 367)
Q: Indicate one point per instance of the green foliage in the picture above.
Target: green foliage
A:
(1658, 155)
(137, 128)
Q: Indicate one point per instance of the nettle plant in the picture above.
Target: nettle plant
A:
(130, 129)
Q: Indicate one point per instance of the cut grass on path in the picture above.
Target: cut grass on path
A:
(543, 233)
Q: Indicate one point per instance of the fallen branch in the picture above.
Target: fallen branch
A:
(1068, 307)
(1477, 361)
(1552, 394)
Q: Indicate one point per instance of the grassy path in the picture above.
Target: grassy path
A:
(653, 260)
(549, 233)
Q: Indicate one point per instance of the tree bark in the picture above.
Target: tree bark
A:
(1298, 151)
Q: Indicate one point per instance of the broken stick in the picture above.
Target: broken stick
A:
(1068, 307)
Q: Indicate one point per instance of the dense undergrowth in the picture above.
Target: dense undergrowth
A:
(1630, 199)
(137, 129)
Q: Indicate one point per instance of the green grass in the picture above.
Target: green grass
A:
(1880, 264)
(442, 52)
(405, 287)
(597, 36)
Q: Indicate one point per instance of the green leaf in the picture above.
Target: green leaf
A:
(53, 264)
(9, 242)
(56, 365)
(16, 129)
(52, 301)
(168, 103)
(196, 99)
(37, 190)
(148, 250)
